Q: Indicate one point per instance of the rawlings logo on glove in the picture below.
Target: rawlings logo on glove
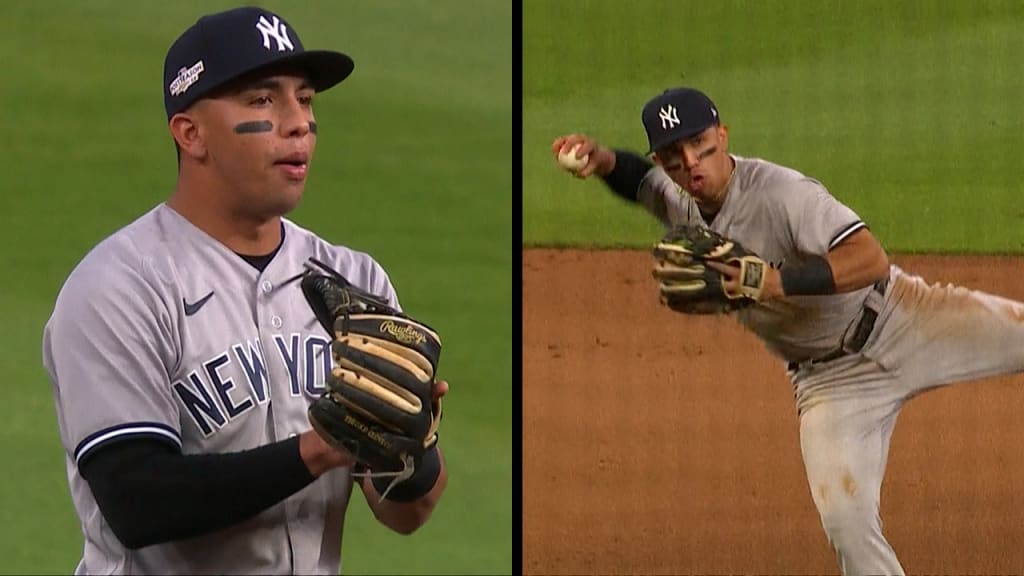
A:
(688, 285)
(404, 334)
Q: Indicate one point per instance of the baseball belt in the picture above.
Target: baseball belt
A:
(872, 306)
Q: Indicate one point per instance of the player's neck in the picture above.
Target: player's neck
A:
(238, 233)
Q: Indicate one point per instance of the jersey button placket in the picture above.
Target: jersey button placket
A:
(265, 288)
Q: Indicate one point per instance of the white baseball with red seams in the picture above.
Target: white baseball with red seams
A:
(567, 159)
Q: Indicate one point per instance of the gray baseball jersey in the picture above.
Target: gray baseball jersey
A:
(783, 216)
(163, 332)
(925, 336)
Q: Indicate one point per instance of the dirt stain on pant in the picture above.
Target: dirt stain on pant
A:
(849, 484)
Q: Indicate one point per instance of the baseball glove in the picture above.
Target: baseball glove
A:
(378, 403)
(689, 286)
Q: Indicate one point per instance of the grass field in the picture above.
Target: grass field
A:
(909, 112)
(398, 173)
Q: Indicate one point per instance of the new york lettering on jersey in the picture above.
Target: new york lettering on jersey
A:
(222, 376)
(227, 365)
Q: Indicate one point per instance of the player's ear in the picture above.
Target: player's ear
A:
(659, 159)
(186, 133)
(723, 135)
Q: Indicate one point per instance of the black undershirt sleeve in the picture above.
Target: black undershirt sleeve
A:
(149, 493)
(630, 169)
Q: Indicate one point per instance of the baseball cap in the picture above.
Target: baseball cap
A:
(221, 47)
(677, 114)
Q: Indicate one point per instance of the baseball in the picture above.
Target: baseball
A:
(570, 162)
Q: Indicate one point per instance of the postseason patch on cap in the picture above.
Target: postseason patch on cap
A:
(186, 77)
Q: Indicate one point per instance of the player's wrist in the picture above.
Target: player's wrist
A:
(813, 277)
(625, 171)
(772, 285)
(319, 456)
(605, 161)
(428, 470)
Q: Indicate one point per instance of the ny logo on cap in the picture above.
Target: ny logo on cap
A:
(668, 116)
(277, 30)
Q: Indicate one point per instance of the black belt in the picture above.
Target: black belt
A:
(860, 334)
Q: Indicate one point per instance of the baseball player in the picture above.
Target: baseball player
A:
(859, 336)
(182, 353)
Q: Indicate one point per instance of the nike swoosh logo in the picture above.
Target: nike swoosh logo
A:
(191, 309)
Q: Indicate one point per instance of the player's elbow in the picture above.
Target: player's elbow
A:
(870, 255)
(881, 267)
(130, 529)
(133, 528)
(122, 502)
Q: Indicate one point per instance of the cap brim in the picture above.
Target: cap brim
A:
(676, 138)
(325, 68)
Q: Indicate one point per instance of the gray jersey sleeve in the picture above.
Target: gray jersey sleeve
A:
(109, 347)
(663, 198)
(359, 268)
(380, 284)
(818, 222)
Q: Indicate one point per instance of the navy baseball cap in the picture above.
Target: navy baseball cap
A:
(221, 47)
(677, 114)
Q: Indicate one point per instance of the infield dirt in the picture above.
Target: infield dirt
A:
(659, 443)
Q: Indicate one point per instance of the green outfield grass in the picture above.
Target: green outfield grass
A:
(909, 112)
(412, 166)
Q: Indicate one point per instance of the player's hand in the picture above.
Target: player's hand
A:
(731, 280)
(440, 389)
(601, 162)
(319, 456)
